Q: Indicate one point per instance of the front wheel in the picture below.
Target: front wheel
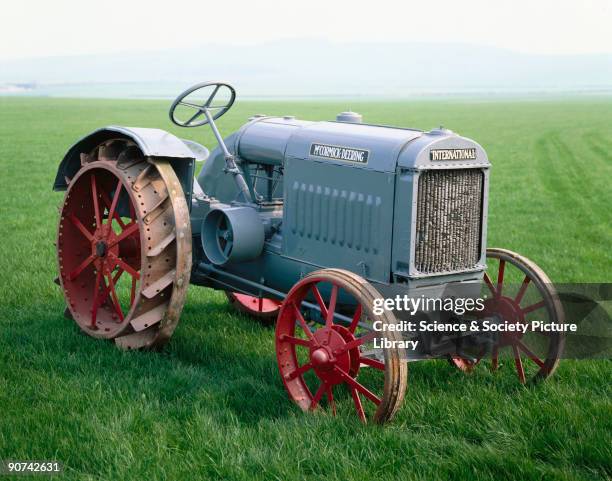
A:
(315, 361)
(518, 290)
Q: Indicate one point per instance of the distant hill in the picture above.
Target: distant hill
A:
(312, 68)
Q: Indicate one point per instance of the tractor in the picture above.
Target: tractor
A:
(301, 223)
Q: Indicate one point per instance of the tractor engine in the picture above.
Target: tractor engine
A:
(393, 205)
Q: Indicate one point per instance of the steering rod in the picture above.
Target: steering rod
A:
(230, 161)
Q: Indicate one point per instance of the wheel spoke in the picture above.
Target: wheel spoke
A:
(533, 307)
(302, 322)
(320, 301)
(79, 225)
(529, 353)
(488, 282)
(495, 358)
(94, 309)
(94, 193)
(521, 292)
(318, 395)
(295, 340)
(360, 387)
(356, 342)
(108, 203)
(111, 210)
(358, 405)
(368, 361)
(75, 273)
(128, 231)
(107, 288)
(500, 277)
(125, 266)
(299, 371)
(356, 319)
(329, 319)
(113, 292)
(519, 364)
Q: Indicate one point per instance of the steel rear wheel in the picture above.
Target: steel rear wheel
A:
(314, 362)
(124, 246)
(519, 291)
(261, 308)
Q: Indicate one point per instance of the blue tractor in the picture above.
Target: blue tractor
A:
(304, 223)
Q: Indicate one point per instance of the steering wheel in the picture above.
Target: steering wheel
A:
(206, 109)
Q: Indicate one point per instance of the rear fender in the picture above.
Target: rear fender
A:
(152, 142)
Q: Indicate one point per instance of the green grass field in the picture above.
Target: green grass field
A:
(212, 406)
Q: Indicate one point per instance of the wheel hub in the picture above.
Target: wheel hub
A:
(327, 341)
(101, 248)
(320, 357)
(509, 312)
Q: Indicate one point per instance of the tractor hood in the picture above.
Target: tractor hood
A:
(363, 146)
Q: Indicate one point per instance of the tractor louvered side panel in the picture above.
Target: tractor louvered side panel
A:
(335, 216)
(338, 216)
(448, 220)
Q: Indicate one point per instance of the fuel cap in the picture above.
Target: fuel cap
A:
(351, 117)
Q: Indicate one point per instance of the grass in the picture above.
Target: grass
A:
(211, 405)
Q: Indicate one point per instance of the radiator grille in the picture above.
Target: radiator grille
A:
(448, 221)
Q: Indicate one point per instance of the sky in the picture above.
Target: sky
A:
(30, 28)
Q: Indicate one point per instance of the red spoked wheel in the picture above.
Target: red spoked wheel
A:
(342, 351)
(519, 292)
(124, 246)
(260, 308)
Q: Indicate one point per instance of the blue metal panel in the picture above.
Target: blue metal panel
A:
(382, 143)
(417, 154)
(264, 140)
(404, 208)
(336, 216)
